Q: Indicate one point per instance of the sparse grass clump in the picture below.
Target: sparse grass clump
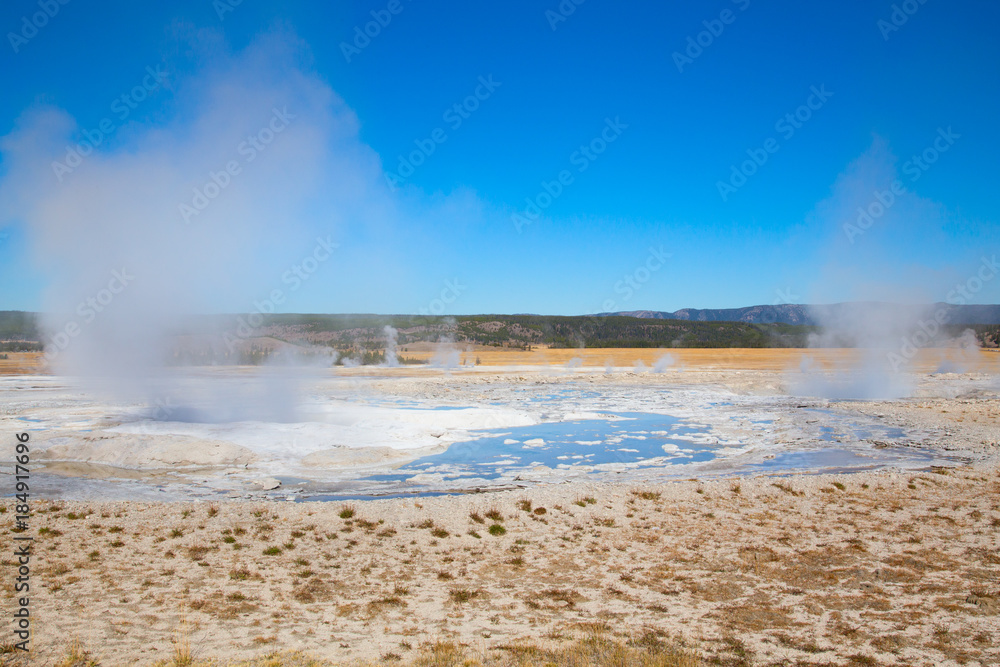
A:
(477, 517)
(198, 552)
(494, 514)
(366, 525)
(459, 595)
(346, 512)
(76, 656)
(312, 590)
(272, 551)
(496, 530)
(596, 649)
(585, 500)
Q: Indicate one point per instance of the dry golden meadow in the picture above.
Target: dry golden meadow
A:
(762, 359)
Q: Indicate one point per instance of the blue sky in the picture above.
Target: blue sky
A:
(643, 226)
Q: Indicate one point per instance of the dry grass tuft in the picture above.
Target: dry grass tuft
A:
(77, 656)
(459, 595)
(494, 514)
(311, 591)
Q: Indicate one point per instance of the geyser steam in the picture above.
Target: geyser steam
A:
(200, 213)
(875, 229)
(391, 338)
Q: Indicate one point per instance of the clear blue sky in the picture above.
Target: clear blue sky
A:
(778, 237)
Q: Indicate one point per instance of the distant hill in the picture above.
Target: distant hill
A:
(231, 339)
(806, 315)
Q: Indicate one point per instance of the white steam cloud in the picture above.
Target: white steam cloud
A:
(878, 230)
(962, 355)
(391, 338)
(664, 362)
(875, 330)
(238, 192)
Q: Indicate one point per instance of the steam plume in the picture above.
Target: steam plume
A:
(251, 174)
(664, 362)
(391, 336)
(875, 226)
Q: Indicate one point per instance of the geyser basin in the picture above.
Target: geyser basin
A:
(629, 446)
(381, 434)
(554, 449)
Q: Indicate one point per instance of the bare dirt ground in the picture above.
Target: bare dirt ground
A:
(874, 568)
